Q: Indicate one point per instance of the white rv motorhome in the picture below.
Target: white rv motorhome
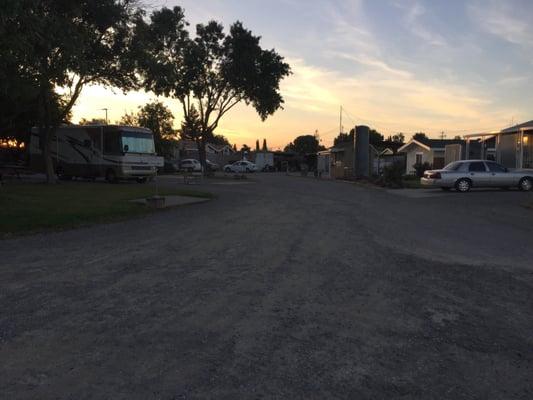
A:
(110, 151)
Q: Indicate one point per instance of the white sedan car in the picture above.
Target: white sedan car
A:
(240, 167)
(463, 175)
(190, 165)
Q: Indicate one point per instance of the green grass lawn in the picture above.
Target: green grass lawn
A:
(36, 207)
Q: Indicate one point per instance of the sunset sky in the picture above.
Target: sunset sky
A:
(395, 65)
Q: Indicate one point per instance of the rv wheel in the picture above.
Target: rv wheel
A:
(110, 176)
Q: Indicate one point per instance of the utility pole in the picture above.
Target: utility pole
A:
(340, 121)
(105, 109)
(442, 135)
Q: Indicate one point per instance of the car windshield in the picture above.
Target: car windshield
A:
(454, 166)
(138, 142)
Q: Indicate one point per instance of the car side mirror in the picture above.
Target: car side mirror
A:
(126, 148)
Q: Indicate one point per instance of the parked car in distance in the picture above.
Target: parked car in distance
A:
(211, 166)
(190, 165)
(463, 175)
(240, 166)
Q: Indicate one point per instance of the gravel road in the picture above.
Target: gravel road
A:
(281, 288)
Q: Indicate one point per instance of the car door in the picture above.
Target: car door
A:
(500, 176)
(479, 174)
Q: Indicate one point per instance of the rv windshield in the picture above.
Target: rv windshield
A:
(138, 142)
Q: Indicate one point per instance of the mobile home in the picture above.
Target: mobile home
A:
(110, 151)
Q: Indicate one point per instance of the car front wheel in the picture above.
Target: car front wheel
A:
(526, 184)
(463, 185)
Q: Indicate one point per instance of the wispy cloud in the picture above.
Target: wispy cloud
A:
(414, 15)
(390, 99)
(307, 90)
(375, 64)
(504, 19)
(513, 81)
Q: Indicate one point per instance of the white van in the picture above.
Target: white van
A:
(110, 151)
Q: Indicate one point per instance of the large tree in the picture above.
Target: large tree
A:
(160, 120)
(60, 47)
(19, 91)
(305, 144)
(398, 138)
(209, 73)
(374, 138)
(220, 140)
(420, 136)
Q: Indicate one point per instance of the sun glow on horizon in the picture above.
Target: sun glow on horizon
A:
(413, 74)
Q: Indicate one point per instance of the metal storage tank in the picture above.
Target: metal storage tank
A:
(362, 152)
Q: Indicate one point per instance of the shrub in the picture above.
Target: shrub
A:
(392, 175)
(421, 168)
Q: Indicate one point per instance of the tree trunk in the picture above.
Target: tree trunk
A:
(200, 143)
(48, 133)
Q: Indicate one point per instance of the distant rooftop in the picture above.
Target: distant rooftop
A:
(440, 143)
(515, 128)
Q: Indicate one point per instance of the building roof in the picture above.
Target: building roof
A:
(429, 144)
(190, 145)
(441, 143)
(516, 128)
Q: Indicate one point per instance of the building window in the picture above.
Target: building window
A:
(418, 159)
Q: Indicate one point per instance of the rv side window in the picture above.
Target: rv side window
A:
(96, 137)
(112, 142)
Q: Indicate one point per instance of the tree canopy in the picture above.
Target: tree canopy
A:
(209, 73)
(375, 138)
(305, 144)
(159, 119)
(398, 138)
(53, 48)
(420, 136)
(93, 121)
(220, 140)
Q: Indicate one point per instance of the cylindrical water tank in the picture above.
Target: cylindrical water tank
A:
(362, 151)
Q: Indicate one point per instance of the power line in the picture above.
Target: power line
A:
(439, 131)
